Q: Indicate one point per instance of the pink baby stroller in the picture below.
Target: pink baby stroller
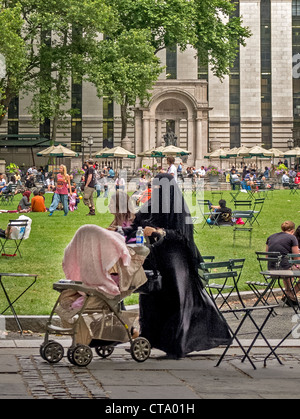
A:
(101, 270)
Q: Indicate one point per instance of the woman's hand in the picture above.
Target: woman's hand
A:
(148, 231)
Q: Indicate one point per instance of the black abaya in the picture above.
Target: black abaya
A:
(181, 318)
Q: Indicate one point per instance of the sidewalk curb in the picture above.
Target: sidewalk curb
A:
(38, 323)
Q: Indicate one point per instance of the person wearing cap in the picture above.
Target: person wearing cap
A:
(89, 187)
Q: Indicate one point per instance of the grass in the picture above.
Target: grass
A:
(43, 251)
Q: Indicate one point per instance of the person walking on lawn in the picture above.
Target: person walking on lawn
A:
(89, 187)
(62, 190)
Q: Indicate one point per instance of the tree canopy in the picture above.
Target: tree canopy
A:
(123, 64)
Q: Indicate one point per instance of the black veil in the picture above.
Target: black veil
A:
(167, 209)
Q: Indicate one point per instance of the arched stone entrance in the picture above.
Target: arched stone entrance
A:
(181, 105)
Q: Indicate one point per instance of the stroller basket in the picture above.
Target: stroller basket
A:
(98, 323)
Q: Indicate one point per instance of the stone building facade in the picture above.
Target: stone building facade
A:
(258, 103)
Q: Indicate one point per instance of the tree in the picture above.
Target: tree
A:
(209, 26)
(14, 50)
(50, 64)
(125, 69)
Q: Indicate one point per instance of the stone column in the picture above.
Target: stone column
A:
(250, 79)
(158, 133)
(199, 141)
(146, 133)
(282, 82)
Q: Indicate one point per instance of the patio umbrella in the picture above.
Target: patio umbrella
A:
(119, 152)
(217, 154)
(295, 152)
(103, 150)
(61, 151)
(171, 150)
(276, 152)
(46, 152)
(232, 152)
(258, 151)
(58, 151)
(150, 153)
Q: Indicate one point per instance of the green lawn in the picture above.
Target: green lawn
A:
(43, 251)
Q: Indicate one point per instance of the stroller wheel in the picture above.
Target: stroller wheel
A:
(140, 349)
(104, 351)
(52, 352)
(81, 355)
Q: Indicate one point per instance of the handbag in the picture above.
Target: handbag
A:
(154, 277)
(153, 284)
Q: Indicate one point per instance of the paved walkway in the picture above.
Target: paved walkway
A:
(24, 374)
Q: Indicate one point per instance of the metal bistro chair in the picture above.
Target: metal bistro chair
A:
(242, 204)
(14, 244)
(244, 215)
(257, 208)
(8, 196)
(17, 278)
(294, 187)
(206, 215)
(260, 289)
(209, 273)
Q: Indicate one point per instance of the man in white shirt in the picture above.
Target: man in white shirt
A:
(201, 172)
(172, 168)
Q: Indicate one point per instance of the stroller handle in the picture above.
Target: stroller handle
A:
(158, 239)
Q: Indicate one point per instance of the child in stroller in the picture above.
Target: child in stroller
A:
(101, 270)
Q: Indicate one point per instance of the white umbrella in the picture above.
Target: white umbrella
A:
(58, 151)
(103, 150)
(258, 151)
(295, 152)
(117, 152)
(46, 152)
(171, 150)
(276, 152)
(219, 153)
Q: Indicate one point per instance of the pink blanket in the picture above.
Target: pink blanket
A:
(90, 255)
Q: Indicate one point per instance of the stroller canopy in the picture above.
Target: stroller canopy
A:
(91, 254)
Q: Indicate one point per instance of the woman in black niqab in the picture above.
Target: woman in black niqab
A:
(181, 318)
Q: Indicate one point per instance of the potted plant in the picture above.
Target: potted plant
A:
(144, 171)
(12, 168)
(213, 173)
(76, 173)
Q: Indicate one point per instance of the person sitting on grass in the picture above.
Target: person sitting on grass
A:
(223, 214)
(38, 202)
(24, 204)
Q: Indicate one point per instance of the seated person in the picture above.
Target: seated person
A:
(223, 214)
(38, 202)
(50, 184)
(250, 179)
(29, 183)
(4, 233)
(145, 196)
(24, 204)
(234, 179)
(285, 242)
(297, 178)
(285, 180)
(2, 183)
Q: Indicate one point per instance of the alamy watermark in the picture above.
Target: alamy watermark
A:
(192, 190)
(3, 332)
(2, 66)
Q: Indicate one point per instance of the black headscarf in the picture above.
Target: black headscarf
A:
(167, 209)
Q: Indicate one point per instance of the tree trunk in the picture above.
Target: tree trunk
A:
(124, 120)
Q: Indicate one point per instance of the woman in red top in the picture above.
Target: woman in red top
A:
(63, 188)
